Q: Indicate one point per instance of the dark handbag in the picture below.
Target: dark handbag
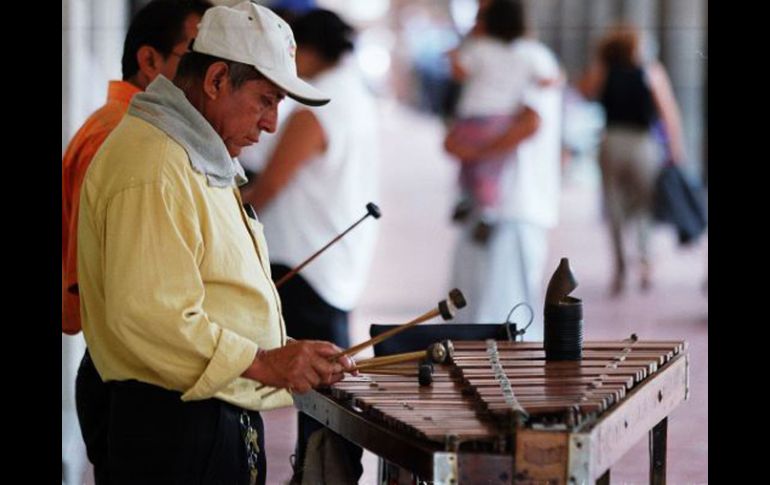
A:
(681, 203)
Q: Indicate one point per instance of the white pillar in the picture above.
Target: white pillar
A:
(109, 33)
(544, 18)
(74, 48)
(683, 52)
(644, 15)
(92, 45)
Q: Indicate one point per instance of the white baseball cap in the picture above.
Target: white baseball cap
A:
(254, 35)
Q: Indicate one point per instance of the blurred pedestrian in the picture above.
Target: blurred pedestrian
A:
(637, 98)
(508, 269)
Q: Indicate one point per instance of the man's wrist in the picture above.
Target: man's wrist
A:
(256, 371)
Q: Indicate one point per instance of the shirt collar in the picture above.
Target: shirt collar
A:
(166, 107)
(121, 91)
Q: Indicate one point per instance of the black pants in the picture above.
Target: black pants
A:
(92, 401)
(148, 435)
(309, 317)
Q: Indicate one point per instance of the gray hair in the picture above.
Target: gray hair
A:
(193, 67)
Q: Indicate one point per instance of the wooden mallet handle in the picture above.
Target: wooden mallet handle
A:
(386, 360)
(436, 353)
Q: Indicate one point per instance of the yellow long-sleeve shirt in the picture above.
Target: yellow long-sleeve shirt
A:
(174, 276)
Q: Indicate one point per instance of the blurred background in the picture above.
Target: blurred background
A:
(401, 51)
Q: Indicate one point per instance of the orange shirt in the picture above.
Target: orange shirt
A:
(75, 162)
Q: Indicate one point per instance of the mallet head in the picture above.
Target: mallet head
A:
(448, 308)
(425, 374)
(437, 353)
(457, 298)
(373, 210)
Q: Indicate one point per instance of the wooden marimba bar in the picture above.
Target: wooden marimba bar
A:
(498, 412)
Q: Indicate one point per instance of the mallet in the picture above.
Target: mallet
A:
(436, 353)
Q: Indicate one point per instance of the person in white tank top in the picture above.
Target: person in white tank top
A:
(323, 170)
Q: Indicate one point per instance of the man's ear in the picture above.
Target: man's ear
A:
(217, 76)
(150, 62)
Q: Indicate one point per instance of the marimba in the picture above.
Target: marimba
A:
(498, 412)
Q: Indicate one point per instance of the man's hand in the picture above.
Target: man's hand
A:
(299, 366)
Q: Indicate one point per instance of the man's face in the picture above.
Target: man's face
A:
(171, 62)
(240, 115)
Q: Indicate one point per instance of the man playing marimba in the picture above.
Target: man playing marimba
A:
(178, 307)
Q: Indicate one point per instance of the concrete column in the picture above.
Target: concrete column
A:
(602, 14)
(573, 39)
(544, 18)
(74, 46)
(683, 53)
(644, 14)
(74, 459)
(74, 111)
(92, 44)
(109, 19)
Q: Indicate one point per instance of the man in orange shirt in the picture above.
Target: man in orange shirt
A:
(157, 38)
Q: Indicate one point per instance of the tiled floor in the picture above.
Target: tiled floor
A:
(411, 269)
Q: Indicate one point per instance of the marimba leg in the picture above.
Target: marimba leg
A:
(658, 436)
(604, 479)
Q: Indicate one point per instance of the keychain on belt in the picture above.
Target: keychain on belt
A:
(250, 437)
